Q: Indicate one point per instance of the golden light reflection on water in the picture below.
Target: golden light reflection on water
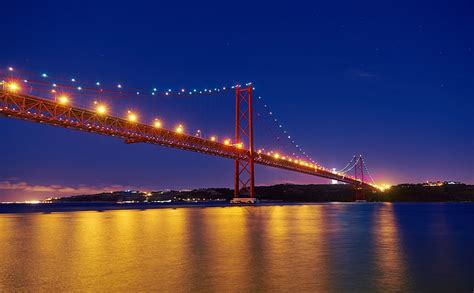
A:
(312, 248)
(221, 249)
(389, 258)
(297, 250)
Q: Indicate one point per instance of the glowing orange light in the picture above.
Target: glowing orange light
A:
(227, 141)
(13, 86)
(132, 117)
(213, 138)
(157, 123)
(101, 109)
(276, 156)
(63, 100)
(179, 129)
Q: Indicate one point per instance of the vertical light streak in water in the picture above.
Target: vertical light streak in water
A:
(228, 261)
(163, 244)
(390, 262)
(14, 272)
(297, 241)
(88, 248)
(199, 272)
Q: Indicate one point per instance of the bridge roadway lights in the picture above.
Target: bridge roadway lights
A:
(244, 200)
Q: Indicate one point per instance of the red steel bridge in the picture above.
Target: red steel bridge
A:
(16, 103)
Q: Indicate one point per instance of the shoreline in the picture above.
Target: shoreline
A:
(48, 208)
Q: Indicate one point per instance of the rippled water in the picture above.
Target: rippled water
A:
(300, 248)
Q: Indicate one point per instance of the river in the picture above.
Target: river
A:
(330, 247)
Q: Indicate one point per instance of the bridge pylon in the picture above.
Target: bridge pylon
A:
(359, 174)
(244, 180)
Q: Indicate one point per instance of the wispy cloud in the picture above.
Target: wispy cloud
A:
(56, 189)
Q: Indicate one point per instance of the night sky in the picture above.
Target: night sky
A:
(390, 80)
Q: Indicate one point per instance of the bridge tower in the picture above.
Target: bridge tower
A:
(359, 174)
(244, 188)
(359, 169)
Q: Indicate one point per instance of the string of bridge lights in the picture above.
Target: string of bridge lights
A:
(349, 165)
(133, 117)
(80, 88)
(12, 84)
(119, 88)
(352, 163)
(367, 171)
(284, 132)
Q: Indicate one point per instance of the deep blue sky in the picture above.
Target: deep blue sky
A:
(393, 80)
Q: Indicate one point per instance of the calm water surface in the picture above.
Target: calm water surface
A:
(301, 248)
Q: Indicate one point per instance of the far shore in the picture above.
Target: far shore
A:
(48, 208)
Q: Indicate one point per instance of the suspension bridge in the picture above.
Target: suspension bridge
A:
(50, 103)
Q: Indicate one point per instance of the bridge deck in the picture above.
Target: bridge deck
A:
(41, 110)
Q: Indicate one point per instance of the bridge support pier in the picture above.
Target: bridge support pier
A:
(244, 181)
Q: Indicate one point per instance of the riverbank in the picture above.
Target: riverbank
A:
(108, 206)
(48, 208)
(288, 193)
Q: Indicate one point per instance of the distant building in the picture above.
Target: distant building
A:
(453, 183)
(433, 183)
(441, 183)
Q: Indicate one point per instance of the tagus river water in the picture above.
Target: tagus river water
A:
(300, 248)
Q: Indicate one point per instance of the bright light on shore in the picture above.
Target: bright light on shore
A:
(384, 187)
(179, 129)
